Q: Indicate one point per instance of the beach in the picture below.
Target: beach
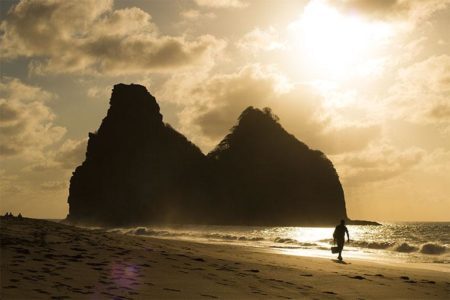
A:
(48, 260)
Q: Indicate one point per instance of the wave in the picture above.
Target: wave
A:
(295, 242)
(405, 248)
(210, 236)
(229, 237)
(371, 245)
(426, 248)
(150, 232)
(430, 248)
(433, 248)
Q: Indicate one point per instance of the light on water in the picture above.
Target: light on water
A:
(404, 242)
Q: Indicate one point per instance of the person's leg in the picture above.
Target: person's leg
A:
(341, 247)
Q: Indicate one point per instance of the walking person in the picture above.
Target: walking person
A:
(339, 237)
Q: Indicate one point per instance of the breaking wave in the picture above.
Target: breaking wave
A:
(371, 245)
(405, 247)
(426, 248)
(433, 248)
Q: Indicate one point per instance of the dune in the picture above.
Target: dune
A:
(49, 260)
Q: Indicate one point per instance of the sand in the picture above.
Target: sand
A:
(42, 259)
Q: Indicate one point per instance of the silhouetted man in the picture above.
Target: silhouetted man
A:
(339, 237)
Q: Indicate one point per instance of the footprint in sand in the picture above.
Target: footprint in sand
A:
(283, 297)
(357, 277)
(428, 281)
(41, 291)
(331, 293)
(410, 281)
(199, 259)
(171, 290)
(208, 296)
(253, 270)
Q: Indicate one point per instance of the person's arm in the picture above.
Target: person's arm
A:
(348, 236)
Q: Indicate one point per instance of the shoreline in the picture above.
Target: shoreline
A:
(72, 262)
(315, 253)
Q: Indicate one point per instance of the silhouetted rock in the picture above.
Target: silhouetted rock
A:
(139, 170)
(268, 177)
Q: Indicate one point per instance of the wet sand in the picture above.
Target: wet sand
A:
(47, 260)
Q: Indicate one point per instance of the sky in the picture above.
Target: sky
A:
(365, 81)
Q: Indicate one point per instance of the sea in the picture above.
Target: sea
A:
(422, 244)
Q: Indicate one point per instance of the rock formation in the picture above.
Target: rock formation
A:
(268, 177)
(139, 170)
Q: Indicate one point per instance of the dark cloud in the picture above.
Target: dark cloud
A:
(8, 113)
(229, 95)
(90, 37)
(440, 112)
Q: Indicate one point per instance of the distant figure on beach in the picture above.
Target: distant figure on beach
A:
(339, 237)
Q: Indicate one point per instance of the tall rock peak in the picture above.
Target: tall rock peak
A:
(133, 162)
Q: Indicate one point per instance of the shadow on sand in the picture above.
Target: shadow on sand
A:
(340, 262)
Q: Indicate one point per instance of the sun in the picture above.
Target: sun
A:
(335, 43)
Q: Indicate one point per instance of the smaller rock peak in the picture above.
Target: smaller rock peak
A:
(255, 113)
(256, 118)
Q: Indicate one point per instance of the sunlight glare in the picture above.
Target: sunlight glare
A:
(335, 44)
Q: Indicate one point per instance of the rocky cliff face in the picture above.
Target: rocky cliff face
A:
(140, 170)
(137, 168)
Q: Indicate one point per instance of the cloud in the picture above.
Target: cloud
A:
(215, 103)
(222, 3)
(194, 15)
(422, 91)
(67, 156)
(54, 185)
(91, 37)
(259, 40)
(230, 94)
(8, 184)
(349, 138)
(379, 162)
(210, 106)
(71, 153)
(388, 183)
(26, 123)
(392, 9)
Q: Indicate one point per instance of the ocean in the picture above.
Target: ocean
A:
(423, 243)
